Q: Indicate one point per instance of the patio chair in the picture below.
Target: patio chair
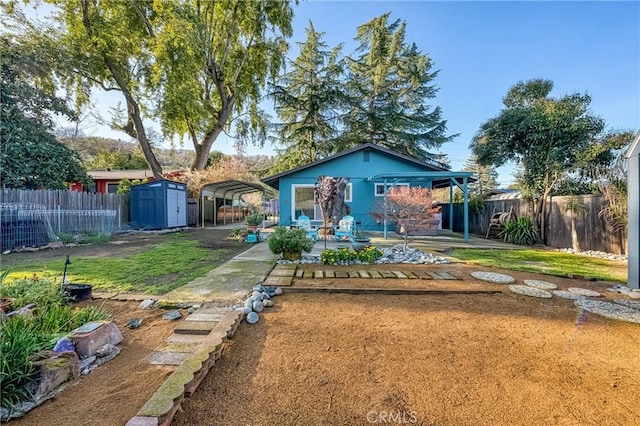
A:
(305, 223)
(345, 229)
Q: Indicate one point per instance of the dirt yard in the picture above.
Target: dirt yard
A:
(333, 359)
(499, 359)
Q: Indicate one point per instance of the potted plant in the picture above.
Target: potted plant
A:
(253, 221)
(290, 243)
(360, 239)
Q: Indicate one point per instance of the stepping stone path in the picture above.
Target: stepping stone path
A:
(530, 291)
(329, 273)
(543, 285)
(493, 277)
(584, 292)
(187, 336)
(609, 310)
(629, 303)
(567, 294)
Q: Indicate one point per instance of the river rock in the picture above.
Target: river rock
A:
(253, 318)
(257, 306)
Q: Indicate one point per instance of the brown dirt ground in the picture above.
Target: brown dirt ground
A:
(343, 359)
(499, 359)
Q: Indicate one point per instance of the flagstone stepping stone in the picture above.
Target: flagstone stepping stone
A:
(584, 292)
(493, 277)
(609, 310)
(543, 285)
(626, 302)
(567, 294)
(530, 291)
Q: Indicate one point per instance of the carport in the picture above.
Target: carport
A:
(432, 180)
(228, 190)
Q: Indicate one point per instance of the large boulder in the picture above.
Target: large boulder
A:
(54, 369)
(92, 336)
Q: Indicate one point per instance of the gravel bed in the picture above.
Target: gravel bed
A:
(595, 253)
(609, 310)
(393, 254)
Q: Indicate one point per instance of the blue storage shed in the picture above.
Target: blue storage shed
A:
(158, 204)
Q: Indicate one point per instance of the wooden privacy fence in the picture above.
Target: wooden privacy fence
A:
(71, 200)
(587, 232)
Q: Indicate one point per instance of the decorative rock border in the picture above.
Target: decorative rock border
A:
(530, 291)
(609, 310)
(542, 285)
(162, 406)
(493, 277)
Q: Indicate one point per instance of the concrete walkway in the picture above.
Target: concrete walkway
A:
(230, 282)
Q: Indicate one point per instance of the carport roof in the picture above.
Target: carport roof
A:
(231, 188)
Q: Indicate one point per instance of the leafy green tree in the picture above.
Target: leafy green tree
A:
(546, 136)
(307, 100)
(389, 84)
(30, 156)
(118, 160)
(192, 64)
(486, 176)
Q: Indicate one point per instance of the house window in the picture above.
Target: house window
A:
(379, 188)
(112, 188)
(303, 202)
(348, 193)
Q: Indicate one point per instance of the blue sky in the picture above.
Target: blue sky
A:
(484, 48)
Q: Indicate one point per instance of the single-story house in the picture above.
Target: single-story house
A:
(372, 170)
(107, 181)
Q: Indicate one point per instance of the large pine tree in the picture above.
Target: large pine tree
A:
(486, 174)
(389, 84)
(307, 101)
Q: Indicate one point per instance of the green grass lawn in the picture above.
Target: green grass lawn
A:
(158, 270)
(545, 261)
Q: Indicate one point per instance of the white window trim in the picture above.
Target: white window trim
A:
(293, 197)
(389, 186)
(350, 199)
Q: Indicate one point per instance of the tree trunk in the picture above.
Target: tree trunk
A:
(575, 243)
(202, 150)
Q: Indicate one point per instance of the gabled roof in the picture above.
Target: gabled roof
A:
(273, 180)
(634, 149)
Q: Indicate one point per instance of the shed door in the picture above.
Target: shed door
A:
(176, 206)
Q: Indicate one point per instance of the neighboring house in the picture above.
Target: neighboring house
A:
(370, 169)
(107, 181)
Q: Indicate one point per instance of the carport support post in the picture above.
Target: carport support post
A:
(466, 209)
(450, 205)
(215, 211)
(385, 210)
(202, 208)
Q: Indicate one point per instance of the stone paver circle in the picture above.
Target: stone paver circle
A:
(530, 291)
(609, 310)
(493, 277)
(543, 285)
(567, 294)
(584, 292)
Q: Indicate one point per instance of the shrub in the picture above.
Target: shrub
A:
(344, 256)
(254, 219)
(289, 240)
(520, 231)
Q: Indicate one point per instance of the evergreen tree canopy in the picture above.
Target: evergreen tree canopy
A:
(389, 84)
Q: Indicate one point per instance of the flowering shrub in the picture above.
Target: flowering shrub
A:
(369, 254)
(344, 256)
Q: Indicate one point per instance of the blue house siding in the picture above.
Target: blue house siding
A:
(357, 166)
